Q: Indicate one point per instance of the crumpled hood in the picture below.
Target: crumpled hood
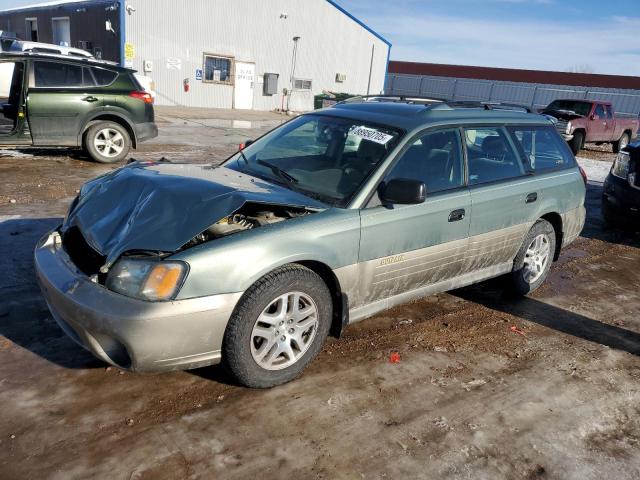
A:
(161, 206)
(562, 114)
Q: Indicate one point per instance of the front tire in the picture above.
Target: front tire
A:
(107, 142)
(577, 142)
(278, 327)
(533, 261)
(620, 144)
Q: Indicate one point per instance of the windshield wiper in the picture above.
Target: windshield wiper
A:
(277, 171)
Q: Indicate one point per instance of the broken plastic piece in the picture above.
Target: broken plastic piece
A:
(394, 357)
(515, 329)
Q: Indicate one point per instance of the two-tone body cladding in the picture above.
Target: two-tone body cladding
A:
(326, 220)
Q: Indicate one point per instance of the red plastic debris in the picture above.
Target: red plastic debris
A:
(515, 329)
(394, 357)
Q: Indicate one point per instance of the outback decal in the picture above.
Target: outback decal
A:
(390, 260)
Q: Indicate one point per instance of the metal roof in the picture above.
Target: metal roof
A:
(515, 75)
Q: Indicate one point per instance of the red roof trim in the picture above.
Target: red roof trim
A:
(515, 75)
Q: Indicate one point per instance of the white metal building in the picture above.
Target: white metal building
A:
(220, 51)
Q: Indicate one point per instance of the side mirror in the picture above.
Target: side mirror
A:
(594, 116)
(402, 191)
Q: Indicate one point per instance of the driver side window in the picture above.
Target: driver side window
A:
(435, 159)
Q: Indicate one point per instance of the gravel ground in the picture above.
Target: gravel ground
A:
(471, 397)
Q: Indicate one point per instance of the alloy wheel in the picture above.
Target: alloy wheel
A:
(284, 331)
(109, 142)
(536, 258)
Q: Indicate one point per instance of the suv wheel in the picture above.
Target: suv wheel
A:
(278, 327)
(107, 142)
(533, 262)
(620, 144)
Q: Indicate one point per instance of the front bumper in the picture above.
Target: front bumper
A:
(125, 332)
(567, 136)
(621, 199)
(146, 131)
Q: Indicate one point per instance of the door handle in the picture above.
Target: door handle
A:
(532, 197)
(457, 215)
(90, 99)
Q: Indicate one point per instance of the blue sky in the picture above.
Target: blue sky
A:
(599, 36)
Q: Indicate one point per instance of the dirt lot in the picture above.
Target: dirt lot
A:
(470, 398)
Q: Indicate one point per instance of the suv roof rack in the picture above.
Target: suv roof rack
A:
(59, 56)
(434, 102)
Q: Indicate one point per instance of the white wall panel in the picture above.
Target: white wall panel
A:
(253, 31)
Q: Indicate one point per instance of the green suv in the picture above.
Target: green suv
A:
(61, 101)
(324, 221)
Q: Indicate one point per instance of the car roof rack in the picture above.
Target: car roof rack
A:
(411, 99)
(60, 56)
(488, 105)
(434, 102)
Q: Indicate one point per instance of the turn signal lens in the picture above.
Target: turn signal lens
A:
(162, 281)
(144, 96)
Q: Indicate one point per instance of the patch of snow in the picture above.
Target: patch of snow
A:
(597, 170)
(14, 154)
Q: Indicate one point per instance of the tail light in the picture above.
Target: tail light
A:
(144, 96)
(584, 175)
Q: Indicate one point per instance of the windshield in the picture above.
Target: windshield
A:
(326, 158)
(580, 108)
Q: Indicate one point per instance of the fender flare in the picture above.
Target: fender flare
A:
(104, 116)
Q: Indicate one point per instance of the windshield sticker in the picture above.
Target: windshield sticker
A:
(372, 135)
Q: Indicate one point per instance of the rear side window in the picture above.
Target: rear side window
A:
(104, 77)
(435, 159)
(53, 74)
(542, 148)
(490, 155)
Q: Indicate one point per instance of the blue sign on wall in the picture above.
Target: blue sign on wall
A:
(198, 74)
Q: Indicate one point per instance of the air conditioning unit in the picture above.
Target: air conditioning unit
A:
(341, 77)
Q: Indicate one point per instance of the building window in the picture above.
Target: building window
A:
(31, 25)
(301, 84)
(218, 69)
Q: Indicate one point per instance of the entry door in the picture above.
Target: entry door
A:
(502, 198)
(599, 124)
(61, 31)
(244, 83)
(12, 111)
(405, 247)
(61, 98)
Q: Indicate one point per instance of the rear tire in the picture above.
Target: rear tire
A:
(278, 327)
(533, 262)
(577, 142)
(107, 142)
(620, 144)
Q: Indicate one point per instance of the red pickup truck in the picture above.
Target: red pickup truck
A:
(585, 121)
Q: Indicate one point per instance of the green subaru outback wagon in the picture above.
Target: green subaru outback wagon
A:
(324, 221)
(62, 101)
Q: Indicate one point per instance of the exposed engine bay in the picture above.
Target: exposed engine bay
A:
(249, 216)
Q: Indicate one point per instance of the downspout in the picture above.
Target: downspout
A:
(373, 51)
(122, 9)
